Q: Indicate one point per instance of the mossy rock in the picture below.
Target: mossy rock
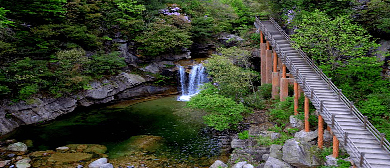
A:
(41, 153)
(69, 157)
(137, 143)
(88, 148)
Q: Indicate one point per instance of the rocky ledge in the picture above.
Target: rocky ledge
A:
(35, 110)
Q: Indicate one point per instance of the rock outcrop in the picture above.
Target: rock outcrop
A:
(34, 110)
(300, 154)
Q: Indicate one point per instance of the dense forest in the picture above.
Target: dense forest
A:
(56, 47)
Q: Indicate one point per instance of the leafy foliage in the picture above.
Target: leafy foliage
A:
(162, 38)
(243, 135)
(232, 80)
(223, 112)
(329, 43)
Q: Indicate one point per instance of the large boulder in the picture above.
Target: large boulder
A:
(300, 154)
(276, 151)
(276, 163)
(17, 147)
(306, 136)
(218, 164)
(98, 163)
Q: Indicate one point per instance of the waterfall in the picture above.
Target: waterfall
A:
(196, 78)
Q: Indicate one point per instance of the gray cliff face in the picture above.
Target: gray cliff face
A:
(122, 86)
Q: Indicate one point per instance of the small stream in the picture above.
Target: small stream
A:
(182, 136)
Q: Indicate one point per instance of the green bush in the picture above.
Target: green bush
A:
(163, 38)
(224, 113)
(265, 91)
(281, 111)
(243, 135)
(254, 101)
(105, 64)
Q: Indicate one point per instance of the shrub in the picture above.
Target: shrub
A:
(223, 113)
(243, 135)
(162, 38)
(105, 64)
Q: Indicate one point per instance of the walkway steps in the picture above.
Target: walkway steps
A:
(361, 138)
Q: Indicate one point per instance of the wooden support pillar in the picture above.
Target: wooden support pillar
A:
(296, 94)
(275, 68)
(275, 84)
(283, 85)
(268, 66)
(320, 131)
(307, 125)
(263, 62)
(275, 77)
(335, 147)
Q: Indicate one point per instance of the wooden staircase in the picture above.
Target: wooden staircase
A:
(365, 145)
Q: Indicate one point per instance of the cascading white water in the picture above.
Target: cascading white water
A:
(196, 78)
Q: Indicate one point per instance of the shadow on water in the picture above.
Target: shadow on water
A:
(179, 132)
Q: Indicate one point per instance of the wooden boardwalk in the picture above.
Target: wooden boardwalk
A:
(365, 145)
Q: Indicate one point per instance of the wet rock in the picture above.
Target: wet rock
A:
(276, 163)
(295, 122)
(11, 155)
(239, 164)
(300, 154)
(69, 157)
(276, 151)
(62, 149)
(306, 136)
(98, 163)
(218, 164)
(88, 148)
(24, 163)
(4, 163)
(95, 148)
(38, 154)
(17, 147)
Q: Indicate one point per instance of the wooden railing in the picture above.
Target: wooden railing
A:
(357, 156)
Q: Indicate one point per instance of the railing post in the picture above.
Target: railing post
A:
(345, 139)
(339, 95)
(365, 121)
(312, 94)
(382, 139)
(361, 159)
(333, 116)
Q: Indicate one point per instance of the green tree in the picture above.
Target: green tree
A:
(376, 17)
(224, 113)
(3, 19)
(233, 81)
(37, 11)
(337, 40)
(163, 38)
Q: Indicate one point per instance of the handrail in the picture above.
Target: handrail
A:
(339, 132)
